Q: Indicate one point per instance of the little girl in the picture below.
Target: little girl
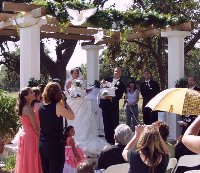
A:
(73, 154)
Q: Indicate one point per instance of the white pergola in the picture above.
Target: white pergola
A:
(34, 25)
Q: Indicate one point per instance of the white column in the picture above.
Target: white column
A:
(29, 49)
(175, 72)
(92, 63)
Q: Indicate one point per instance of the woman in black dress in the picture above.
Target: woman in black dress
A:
(51, 141)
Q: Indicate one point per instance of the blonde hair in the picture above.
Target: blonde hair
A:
(150, 145)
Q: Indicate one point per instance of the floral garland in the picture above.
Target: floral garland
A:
(110, 18)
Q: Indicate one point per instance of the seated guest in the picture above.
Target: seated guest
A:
(164, 132)
(113, 155)
(151, 156)
(181, 150)
(85, 167)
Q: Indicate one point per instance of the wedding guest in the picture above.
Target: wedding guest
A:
(192, 83)
(181, 150)
(164, 132)
(85, 167)
(131, 100)
(37, 103)
(152, 153)
(27, 159)
(188, 119)
(149, 88)
(73, 154)
(191, 139)
(51, 141)
(110, 106)
(113, 155)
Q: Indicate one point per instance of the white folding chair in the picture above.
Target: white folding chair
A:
(119, 168)
(188, 161)
(172, 163)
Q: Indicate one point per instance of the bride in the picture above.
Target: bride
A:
(86, 110)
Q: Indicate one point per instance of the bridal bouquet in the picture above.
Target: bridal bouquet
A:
(77, 89)
(77, 83)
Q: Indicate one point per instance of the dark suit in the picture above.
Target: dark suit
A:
(110, 111)
(148, 91)
(112, 156)
(196, 88)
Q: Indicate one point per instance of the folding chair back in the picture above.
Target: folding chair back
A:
(119, 168)
(188, 161)
(193, 171)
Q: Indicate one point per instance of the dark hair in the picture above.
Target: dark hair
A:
(148, 71)
(135, 87)
(21, 101)
(66, 131)
(163, 129)
(193, 77)
(52, 93)
(85, 167)
(75, 69)
(41, 87)
(36, 90)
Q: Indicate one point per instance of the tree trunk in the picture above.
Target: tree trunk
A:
(57, 69)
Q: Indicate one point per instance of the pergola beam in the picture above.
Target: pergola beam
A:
(72, 30)
(17, 7)
(66, 36)
(5, 16)
(4, 32)
(143, 34)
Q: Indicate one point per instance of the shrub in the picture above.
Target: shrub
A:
(182, 83)
(10, 163)
(8, 118)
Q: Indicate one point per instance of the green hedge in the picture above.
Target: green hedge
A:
(8, 118)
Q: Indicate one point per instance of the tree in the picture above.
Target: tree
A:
(150, 53)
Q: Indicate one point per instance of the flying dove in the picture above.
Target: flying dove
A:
(98, 37)
(79, 17)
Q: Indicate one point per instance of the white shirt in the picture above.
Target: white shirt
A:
(132, 97)
(114, 82)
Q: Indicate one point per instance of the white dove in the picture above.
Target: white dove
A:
(98, 37)
(79, 17)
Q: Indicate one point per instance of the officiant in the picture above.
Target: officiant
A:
(110, 105)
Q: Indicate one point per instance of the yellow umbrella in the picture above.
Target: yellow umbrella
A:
(181, 101)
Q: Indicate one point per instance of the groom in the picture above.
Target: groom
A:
(110, 106)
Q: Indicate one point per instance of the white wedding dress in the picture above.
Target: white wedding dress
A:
(87, 122)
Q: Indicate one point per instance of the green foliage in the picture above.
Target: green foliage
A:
(10, 163)
(192, 64)
(182, 83)
(9, 81)
(8, 118)
(105, 18)
(33, 82)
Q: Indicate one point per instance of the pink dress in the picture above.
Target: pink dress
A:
(28, 158)
(70, 160)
